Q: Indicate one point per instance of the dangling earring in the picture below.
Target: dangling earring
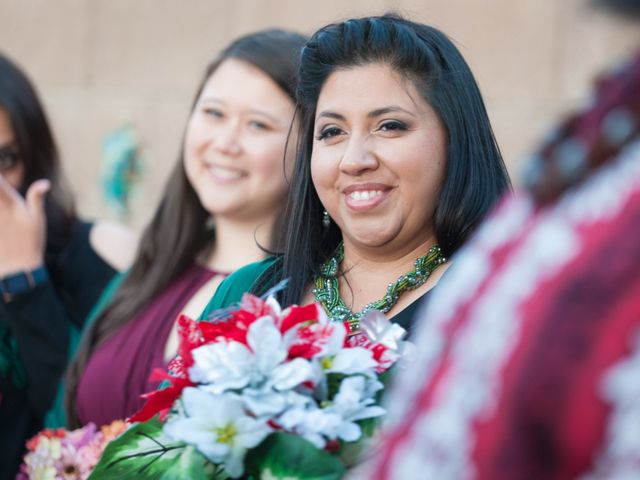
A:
(326, 219)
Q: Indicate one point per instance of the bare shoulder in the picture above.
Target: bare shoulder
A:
(114, 242)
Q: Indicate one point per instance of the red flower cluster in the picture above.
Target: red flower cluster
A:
(193, 334)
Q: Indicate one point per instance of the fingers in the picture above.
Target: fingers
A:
(8, 194)
(35, 198)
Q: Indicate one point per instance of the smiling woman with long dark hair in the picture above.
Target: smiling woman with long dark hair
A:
(222, 204)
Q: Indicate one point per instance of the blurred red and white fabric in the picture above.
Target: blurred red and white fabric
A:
(528, 358)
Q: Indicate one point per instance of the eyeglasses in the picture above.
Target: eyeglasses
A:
(9, 157)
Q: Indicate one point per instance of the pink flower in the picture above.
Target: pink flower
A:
(68, 455)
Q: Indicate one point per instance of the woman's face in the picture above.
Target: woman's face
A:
(11, 168)
(379, 157)
(235, 143)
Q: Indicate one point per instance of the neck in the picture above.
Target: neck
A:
(237, 243)
(393, 260)
(368, 273)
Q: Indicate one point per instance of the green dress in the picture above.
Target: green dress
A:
(235, 285)
(242, 280)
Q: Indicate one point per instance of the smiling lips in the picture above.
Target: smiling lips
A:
(224, 174)
(365, 197)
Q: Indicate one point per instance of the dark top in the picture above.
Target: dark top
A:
(118, 371)
(34, 334)
(242, 280)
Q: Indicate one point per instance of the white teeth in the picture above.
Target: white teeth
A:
(364, 195)
(225, 173)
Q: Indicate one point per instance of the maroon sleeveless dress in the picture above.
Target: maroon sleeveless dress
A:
(118, 371)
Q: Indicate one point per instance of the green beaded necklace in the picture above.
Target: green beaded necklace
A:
(327, 290)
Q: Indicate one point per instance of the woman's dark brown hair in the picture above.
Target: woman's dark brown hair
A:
(475, 177)
(37, 151)
(178, 231)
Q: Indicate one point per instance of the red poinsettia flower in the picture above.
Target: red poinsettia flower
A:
(383, 355)
(160, 401)
(190, 337)
(297, 315)
(235, 329)
(316, 338)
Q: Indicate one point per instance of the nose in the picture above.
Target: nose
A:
(358, 156)
(226, 138)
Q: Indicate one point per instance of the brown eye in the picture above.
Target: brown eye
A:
(392, 125)
(9, 158)
(213, 112)
(329, 133)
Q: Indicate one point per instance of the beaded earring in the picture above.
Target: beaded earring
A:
(326, 219)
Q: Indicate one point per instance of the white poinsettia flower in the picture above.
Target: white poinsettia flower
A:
(265, 340)
(354, 401)
(222, 366)
(356, 397)
(291, 374)
(332, 356)
(231, 365)
(350, 361)
(218, 427)
(266, 403)
(311, 423)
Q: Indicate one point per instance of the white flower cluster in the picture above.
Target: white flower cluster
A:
(244, 391)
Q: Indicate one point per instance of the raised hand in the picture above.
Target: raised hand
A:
(22, 227)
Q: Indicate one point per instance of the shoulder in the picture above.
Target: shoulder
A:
(251, 272)
(238, 283)
(115, 243)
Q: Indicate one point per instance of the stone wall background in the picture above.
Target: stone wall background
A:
(99, 64)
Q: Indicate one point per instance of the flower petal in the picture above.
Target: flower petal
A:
(349, 432)
(224, 365)
(251, 432)
(234, 463)
(265, 340)
(291, 374)
(212, 410)
(353, 360)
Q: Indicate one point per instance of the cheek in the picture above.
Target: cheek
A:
(14, 176)
(267, 160)
(426, 185)
(320, 172)
(195, 134)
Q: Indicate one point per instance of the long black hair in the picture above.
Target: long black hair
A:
(625, 8)
(37, 152)
(178, 231)
(475, 176)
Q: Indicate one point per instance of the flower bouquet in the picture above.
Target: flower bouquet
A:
(261, 393)
(71, 455)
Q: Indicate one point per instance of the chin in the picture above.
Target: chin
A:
(372, 239)
(215, 206)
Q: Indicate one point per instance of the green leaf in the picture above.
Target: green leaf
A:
(144, 452)
(286, 456)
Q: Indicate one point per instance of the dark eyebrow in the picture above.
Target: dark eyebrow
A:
(393, 109)
(218, 101)
(9, 147)
(374, 113)
(330, 114)
(265, 114)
